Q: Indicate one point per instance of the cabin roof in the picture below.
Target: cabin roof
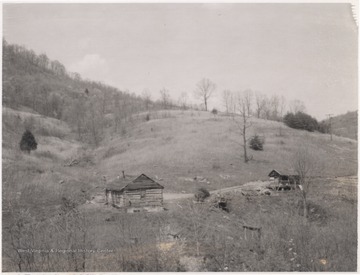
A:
(141, 182)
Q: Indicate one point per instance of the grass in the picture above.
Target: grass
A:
(184, 145)
(345, 125)
(33, 181)
(46, 154)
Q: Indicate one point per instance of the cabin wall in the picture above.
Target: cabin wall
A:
(143, 198)
(115, 198)
(154, 196)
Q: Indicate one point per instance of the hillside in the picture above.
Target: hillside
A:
(39, 85)
(174, 147)
(182, 145)
(38, 181)
(345, 125)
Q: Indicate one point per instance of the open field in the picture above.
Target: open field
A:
(191, 144)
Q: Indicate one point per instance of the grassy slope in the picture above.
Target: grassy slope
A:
(346, 125)
(184, 145)
(33, 181)
(177, 146)
(188, 144)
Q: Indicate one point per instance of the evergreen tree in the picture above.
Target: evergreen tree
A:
(28, 142)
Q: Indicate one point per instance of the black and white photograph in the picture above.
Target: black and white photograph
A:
(179, 137)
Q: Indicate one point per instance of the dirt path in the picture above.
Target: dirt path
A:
(168, 197)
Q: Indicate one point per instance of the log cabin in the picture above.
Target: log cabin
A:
(138, 195)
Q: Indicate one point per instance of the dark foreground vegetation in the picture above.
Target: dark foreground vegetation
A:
(192, 237)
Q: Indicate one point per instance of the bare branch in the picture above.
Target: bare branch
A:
(204, 90)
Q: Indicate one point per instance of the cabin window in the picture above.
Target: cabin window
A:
(142, 194)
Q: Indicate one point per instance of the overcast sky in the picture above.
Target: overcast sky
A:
(302, 51)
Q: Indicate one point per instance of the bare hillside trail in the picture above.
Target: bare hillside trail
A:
(168, 197)
(257, 185)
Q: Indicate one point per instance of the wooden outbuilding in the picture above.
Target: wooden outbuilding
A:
(284, 180)
(140, 194)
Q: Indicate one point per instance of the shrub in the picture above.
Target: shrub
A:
(214, 112)
(302, 121)
(256, 143)
(201, 194)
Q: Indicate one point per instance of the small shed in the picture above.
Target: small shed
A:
(140, 194)
(284, 178)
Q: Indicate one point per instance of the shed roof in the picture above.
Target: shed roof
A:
(281, 173)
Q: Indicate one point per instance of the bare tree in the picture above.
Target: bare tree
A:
(275, 102)
(267, 108)
(116, 112)
(227, 100)
(95, 120)
(244, 123)
(282, 106)
(165, 98)
(306, 165)
(43, 61)
(260, 101)
(104, 102)
(248, 97)
(297, 106)
(204, 90)
(146, 96)
(76, 115)
(183, 100)
(199, 228)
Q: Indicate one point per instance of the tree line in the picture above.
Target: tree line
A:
(47, 88)
(249, 104)
(44, 86)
